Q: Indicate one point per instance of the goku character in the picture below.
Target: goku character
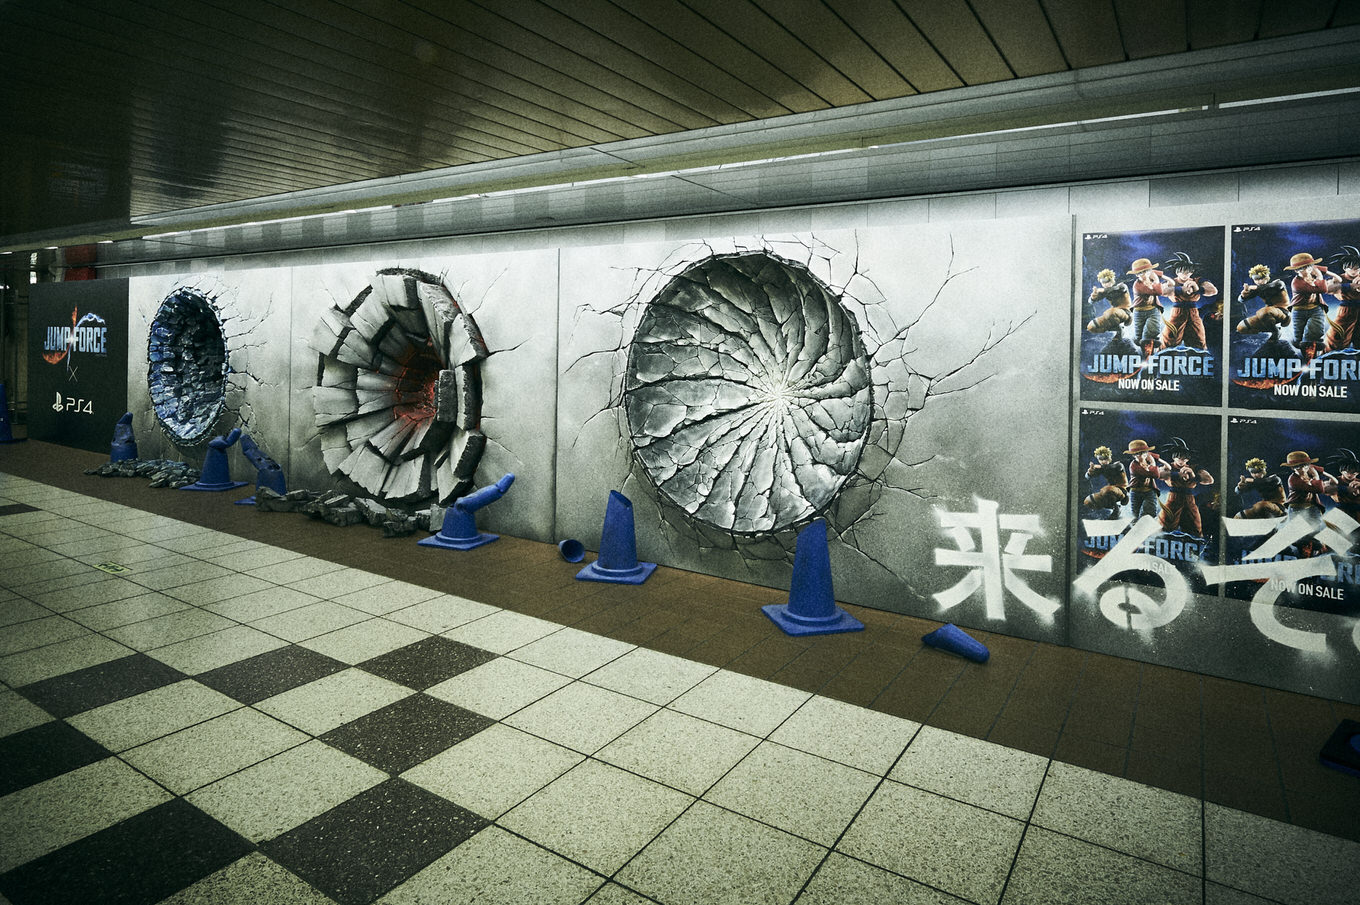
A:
(1184, 325)
(1179, 509)
(1346, 288)
(1148, 289)
(1344, 488)
(1110, 498)
(1268, 488)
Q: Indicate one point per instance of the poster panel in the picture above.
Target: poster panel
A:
(1148, 508)
(1293, 526)
(1296, 301)
(1152, 315)
(78, 361)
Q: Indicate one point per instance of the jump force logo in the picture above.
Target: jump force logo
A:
(86, 335)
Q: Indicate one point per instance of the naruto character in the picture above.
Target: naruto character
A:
(1184, 327)
(1346, 288)
(1115, 318)
(1148, 289)
(1310, 311)
(1273, 315)
(1268, 488)
(1179, 510)
(1345, 487)
(1107, 500)
(1144, 470)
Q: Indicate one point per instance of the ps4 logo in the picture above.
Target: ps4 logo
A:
(1092, 412)
(72, 404)
(1246, 229)
(1090, 236)
(1236, 420)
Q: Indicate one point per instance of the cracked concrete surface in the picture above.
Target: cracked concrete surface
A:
(398, 388)
(748, 393)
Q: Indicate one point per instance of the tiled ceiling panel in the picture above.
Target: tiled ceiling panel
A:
(129, 108)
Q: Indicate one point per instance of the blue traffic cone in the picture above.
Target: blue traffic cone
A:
(812, 609)
(268, 474)
(216, 475)
(6, 433)
(572, 550)
(124, 445)
(459, 530)
(618, 560)
(949, 637)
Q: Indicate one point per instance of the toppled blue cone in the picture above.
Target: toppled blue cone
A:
(6, 433)
(1342, 751)
(269, 474)
(459, 531)
(949, 637)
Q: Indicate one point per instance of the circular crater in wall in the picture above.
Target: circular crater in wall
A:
(187, 366)
(748, 394)
(398, 394)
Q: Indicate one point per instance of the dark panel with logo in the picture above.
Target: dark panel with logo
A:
(78, 361)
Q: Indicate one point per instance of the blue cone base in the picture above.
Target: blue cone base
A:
(215, 488)
(1342, 751)
(248, 501)
(457, 543)
(636, 575)
(949, 637)
(839, 621)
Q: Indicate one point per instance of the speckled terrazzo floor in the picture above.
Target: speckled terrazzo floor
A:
(233, 720)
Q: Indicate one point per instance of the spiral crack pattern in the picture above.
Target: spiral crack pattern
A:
(748, 393)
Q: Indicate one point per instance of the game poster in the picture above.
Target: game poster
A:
(1152, 316)
(1148, 513)
(1292, 531)
(78, 361)
(1295, 291)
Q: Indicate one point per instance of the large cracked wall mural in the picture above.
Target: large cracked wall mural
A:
(737, 389)
(913, 386)
(398, 395)
(748, 393)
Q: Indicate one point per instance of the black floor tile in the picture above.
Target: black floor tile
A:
(427, 662)
(378, 839)
(96, 686)
(409, 732)
(17, 508)
(38, 754)
(137, 862)
(270, 673)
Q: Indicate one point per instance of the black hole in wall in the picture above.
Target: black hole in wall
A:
(187, 366)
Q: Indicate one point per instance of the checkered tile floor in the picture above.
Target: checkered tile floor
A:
(216, 720)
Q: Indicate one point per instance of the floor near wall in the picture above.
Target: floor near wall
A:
(1243, 746)
(231, 720)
